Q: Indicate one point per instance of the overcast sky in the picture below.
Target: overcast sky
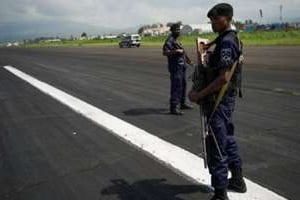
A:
(19, 14)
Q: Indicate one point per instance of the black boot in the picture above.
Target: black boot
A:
(174, 110)
(220, 194)
(186, 106)
(237, 182)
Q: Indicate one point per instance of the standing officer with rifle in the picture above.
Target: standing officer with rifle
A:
(177, 61)
(215, 89)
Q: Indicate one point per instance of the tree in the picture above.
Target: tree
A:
(84, 34)
(169, 24)
(154, 26)
(141, 30)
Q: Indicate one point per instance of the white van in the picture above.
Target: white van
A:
(133, 40)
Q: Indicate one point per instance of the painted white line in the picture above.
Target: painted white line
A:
(171, 155)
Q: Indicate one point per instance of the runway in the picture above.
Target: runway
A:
(42, 157)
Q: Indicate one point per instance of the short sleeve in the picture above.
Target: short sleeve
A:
(228, 54)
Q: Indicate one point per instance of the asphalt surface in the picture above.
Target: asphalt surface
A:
(42, 158)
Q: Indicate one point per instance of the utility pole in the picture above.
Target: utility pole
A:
(280, 8)
(261, 15)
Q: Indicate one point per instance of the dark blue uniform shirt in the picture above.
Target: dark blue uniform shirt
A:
(177, 61)
(226, 51)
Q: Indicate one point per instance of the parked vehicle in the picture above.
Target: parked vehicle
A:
(133, 40)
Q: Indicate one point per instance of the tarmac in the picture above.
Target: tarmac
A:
(47, 151)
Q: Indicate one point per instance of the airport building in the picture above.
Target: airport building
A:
(164, 30)
(196, 29)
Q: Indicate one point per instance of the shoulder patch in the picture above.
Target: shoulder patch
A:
(226, 54)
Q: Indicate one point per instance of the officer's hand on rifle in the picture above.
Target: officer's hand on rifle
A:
(173, 52)
(179, 51)
(194, 96)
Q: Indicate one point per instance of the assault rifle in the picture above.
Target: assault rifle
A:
(199, 82)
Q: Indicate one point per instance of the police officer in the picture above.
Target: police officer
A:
(225, 54)
(177, 59)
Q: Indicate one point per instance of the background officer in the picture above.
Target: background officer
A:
(177, 67)
(225, 54)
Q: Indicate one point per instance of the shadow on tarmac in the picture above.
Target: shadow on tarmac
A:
(150, 189)
(146, 111)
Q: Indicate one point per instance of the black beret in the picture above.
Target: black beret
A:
(175, 26)
(221, 9)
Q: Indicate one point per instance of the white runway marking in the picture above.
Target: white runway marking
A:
(171, 155)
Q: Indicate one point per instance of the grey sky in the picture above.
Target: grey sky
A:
(130, 13)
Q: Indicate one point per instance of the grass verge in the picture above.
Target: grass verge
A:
(257, 38)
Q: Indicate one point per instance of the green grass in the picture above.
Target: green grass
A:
(257, 38)
(291, 37)
(75, 43)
